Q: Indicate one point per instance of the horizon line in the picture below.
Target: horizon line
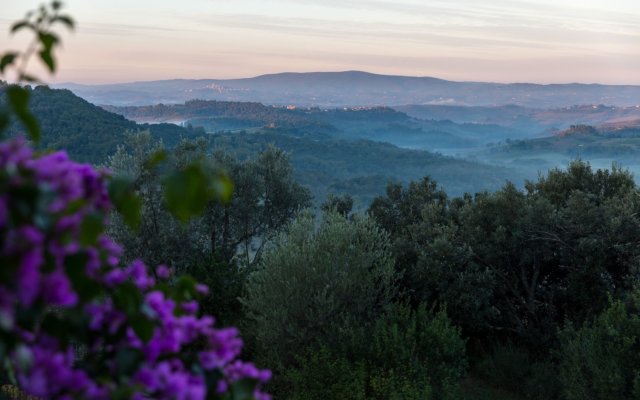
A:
(342, 72)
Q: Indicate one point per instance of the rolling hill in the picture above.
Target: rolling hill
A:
(324, 162)
(372, 123)
(87, 132)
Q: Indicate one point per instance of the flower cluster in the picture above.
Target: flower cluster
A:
(76, 323)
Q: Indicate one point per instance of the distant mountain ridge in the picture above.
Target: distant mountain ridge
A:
(356, 88)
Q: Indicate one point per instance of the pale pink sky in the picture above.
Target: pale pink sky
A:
(543, 41)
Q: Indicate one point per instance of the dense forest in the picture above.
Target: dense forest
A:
(510, 294)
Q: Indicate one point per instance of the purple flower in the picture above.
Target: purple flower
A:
(137, 271)
(190, 307)
(163, 272)
(51, 373)
(28, 278)
(57, 290)
(115, 277)
(36, 255)
(202, 289)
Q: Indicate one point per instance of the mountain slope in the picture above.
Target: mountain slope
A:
(363, 167)
(87, 132)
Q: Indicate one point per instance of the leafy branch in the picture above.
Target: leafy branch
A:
(41, 24)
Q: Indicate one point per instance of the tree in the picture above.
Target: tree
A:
(516, 264)
(436, 265)
(312, 283)
(601, 360)
(340, 204)
(265, 197)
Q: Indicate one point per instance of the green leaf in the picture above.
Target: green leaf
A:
(48, 40)
(91, 228)
(24, 204)
(21, 25)
(127, 361)
(155, 159)
(243, 389)
(187, 192)
(143, 327)
(18, 97)
(4, 121)
(19, 101)
(185, 288)
(127, 203)
(64, 20)
(56, 5)
(56, 327)
(27, 317)
(223, 188)
(128, 299)
(48, 60)
(85, 287)
(6, 60)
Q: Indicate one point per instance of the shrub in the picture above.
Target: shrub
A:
(404, 354)
(323, 374)
(63, 289)
(422, 351)
(601, 360)
(506, 367)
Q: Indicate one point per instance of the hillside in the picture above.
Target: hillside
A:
(372, 123)
(356, 88)
(529, 120)
(363, 167)
(87, 132)
(602, 146)
(337, 161)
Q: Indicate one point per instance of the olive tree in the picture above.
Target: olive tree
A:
(315, 281)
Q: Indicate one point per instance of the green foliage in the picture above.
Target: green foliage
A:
(343, 205)
(322, 374)
(516, 264)
(43, 43)
(436, 264)
(18, 99)
(403, 354)
(361, 168)
(416, 347)
(126, 202)
(187, 180)
(158, 237)
(315, 282)
(189, 190)
(514, 369)
(225, 282)
(601, 360)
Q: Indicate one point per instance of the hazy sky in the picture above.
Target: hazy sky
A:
(485, 40)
